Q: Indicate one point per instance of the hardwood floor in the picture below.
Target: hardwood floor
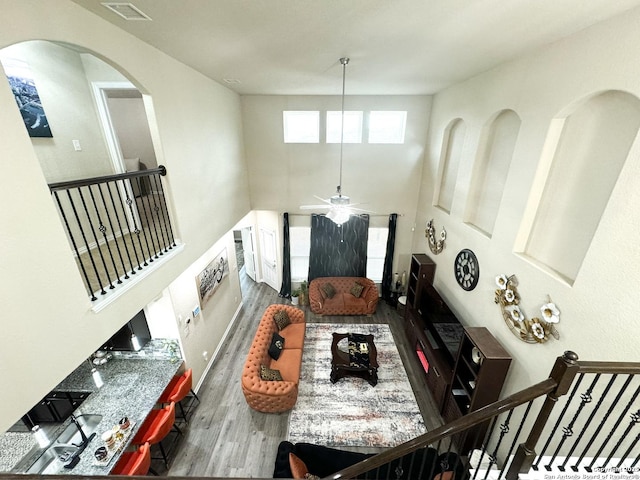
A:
(225, 438)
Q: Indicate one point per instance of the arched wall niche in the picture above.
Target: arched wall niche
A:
(583, 156)
(65, 76)
(495, 152)
(452, 146)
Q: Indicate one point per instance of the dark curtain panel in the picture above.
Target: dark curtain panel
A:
(338, 251)
(388, 258)
(285, 290)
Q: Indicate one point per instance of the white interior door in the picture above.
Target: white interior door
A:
(269, 258)
(248, 253)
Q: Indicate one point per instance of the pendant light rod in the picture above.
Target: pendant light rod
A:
(344, 61)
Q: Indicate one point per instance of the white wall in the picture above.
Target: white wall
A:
(46, 311)
(67, 100)
(382, 178)
(599, 312)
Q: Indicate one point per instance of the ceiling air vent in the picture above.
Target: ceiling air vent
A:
(126, 10)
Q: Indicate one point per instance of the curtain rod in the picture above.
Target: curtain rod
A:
(371, 215)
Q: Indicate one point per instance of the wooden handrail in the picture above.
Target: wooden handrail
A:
(161, 170)
(611, 368)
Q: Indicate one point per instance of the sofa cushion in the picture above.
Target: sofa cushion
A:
(293, 335)
(328, 290)
(276, 346)
(288, 364)
(267, 373)
(349, 300)
(282, 319)
(356, 289)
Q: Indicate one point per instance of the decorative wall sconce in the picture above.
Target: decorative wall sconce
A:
(435, 246)
(536, 330)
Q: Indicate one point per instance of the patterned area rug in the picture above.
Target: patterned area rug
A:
(351, 412)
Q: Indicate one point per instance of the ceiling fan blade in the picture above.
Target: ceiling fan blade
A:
(362, 210)
(312, 207)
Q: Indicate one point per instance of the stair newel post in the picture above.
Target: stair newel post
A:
(563, 372)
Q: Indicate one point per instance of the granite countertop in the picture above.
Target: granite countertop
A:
(133, 382)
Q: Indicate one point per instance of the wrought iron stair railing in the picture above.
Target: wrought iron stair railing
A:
(117, 225)
(586, 422)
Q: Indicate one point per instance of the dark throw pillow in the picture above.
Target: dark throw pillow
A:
(282, 319)
(356, 290)
(277, 344)
(267, 373)
(328, 290)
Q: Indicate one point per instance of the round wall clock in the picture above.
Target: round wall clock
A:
(466, 269)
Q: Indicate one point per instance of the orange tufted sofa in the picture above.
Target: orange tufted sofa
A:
(271, 396)
(343, 302)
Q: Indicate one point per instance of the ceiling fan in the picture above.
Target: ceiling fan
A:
(339, 205)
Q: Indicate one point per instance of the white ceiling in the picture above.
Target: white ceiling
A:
(396, 47)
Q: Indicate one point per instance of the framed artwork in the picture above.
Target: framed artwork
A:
(24, 91)
(210, 278)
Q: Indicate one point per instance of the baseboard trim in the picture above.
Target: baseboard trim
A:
(220, 344)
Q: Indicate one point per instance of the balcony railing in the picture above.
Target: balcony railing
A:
(117, 225)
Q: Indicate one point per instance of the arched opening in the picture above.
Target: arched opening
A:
(97, 126)
(584, 155)
(498, 142)
(452, 145)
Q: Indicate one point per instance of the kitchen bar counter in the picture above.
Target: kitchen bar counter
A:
(132, 386)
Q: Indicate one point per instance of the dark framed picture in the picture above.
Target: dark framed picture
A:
(26, 94)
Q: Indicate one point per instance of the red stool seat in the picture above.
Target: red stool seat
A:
(156, 427)
(178, 389)
(134, 463)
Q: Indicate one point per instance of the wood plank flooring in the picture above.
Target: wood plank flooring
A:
(227, 439)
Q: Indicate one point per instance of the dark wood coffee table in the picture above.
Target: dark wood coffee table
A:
(363, 362)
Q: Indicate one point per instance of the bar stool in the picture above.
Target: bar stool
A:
(177, 391)
(134, 463)
(156, 427)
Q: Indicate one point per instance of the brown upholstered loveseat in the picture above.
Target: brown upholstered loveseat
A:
(275, 395)
(343, 302)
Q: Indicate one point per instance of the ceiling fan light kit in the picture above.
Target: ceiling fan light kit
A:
(340, 208)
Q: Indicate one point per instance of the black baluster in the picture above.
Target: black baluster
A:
(516, 437)
(156, 223)
(615, 427)
(95, 236)
(594, 410)
(113, 230)
(567, 431)
(122, 234)
(136, 230)
(485, 443)
(150, 228)
(160, 207)
(86, 242)
(635, 419)
(144, 229)
(602, 422)
(626, 455)
(572, 395)
(130, 232)
(75, 246)
(504, 430)
(103, 230)
(165, 210)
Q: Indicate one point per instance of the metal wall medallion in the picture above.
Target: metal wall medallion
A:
(466, 269)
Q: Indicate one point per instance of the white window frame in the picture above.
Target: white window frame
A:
(291, 123)
(382, 130)
(353, 126)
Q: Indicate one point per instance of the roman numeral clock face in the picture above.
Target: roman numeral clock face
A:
(466, 269)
